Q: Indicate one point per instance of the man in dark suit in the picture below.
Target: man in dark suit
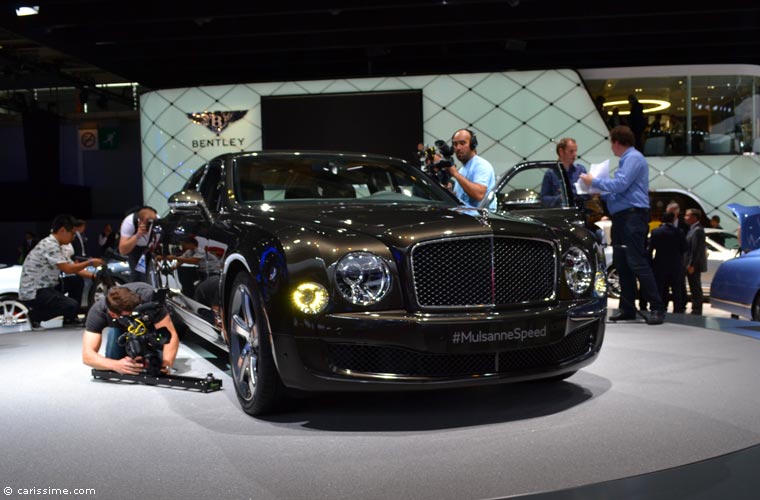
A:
(80, 240)
(695, 259)
(668, 245)
(680, 287)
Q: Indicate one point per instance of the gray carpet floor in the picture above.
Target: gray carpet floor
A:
(656, 398)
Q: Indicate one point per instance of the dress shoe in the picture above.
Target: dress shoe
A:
(656, 318)
(622, 316)
(72, 322)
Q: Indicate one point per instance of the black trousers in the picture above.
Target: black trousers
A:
(50, 303)
(73, 286)
(670, 284)
(629, 231)
(695, 287)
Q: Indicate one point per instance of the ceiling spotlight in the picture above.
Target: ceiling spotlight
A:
(28, 10)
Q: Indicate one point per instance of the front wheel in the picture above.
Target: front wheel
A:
(254, 374)
(613, 283)
(756, 308)
(12, 312)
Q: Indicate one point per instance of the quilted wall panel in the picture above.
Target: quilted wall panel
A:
(517, 116)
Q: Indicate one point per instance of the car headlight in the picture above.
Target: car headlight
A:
(362, 278)
(578, 271)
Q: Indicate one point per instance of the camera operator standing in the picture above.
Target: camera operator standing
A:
(477, 176)
(121, 301)
(135, 240)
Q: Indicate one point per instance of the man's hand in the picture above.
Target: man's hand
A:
(129, 366)
(142, 228)
(96, 262)
(587, 178)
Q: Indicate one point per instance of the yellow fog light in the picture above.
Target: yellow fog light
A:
(600, 284)
(310, 298)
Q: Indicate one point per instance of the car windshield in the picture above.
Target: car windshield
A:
(302, 178)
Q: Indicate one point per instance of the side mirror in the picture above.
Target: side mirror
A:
(189, 202)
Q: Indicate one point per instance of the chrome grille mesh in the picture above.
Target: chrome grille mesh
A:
(478, 271)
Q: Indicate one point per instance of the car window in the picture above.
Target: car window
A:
(539, 186)
(195, 179)
(210, 185)
(289, 179)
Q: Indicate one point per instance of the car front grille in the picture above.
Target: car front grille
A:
(483, 271)
(394, 361)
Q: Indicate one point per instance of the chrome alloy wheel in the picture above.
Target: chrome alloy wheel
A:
(13, 312)
(244, 342)
(613, 283)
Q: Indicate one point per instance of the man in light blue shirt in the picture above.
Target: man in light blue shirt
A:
(476, 176)
(627, 197)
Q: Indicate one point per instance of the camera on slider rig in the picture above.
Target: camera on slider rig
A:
(140, 338)
(438, 159)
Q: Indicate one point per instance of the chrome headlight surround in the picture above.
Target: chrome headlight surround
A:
(362, 278)
(578, 271)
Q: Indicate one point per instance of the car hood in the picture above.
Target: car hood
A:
(399, 223)
(749, 224)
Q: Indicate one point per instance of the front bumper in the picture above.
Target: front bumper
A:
(393, 350)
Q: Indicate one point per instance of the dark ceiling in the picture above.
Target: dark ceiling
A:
(164, 44)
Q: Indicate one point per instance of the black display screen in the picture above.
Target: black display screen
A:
(387, 123)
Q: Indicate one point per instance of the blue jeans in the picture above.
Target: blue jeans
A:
(113, 349)
(629, 254)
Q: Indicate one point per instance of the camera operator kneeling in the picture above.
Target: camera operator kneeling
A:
(106, 315)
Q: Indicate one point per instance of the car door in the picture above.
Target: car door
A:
(523, 190)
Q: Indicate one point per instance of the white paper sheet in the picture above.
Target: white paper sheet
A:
(599, 171)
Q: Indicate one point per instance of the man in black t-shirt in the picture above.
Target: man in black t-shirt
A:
(121, 301)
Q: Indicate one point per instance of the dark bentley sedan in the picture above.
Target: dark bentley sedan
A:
(358, 272)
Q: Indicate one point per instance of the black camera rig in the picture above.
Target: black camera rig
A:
(207, 384)
(141, 339)
(438, 159)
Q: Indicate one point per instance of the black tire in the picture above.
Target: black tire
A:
(254, 374)
(756, 308)
(613, 283)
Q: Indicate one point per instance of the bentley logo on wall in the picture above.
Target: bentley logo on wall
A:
(216, 121)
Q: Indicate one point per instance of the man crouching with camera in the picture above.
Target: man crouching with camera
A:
(134, 323)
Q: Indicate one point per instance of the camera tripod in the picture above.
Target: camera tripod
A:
(207, 384)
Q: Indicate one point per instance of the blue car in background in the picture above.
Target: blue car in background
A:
(736, 285)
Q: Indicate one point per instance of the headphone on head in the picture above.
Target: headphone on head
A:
(473, 138)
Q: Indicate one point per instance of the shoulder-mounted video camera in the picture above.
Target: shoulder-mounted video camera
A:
(438, 159)
(140, 337)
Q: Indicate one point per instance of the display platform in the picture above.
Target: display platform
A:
(668, 411)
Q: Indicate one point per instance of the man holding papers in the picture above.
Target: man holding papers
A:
(627, 197)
